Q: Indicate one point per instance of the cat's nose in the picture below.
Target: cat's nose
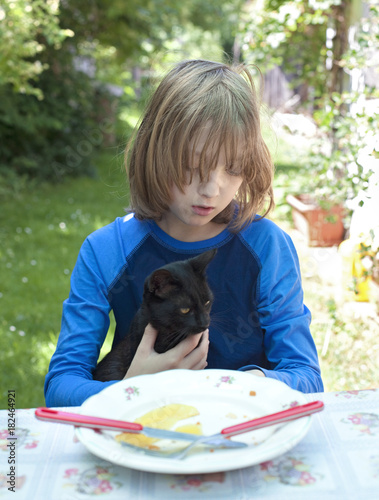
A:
(204, 324)
(200, 327)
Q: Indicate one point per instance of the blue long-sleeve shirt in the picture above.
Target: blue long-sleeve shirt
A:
(258, 318)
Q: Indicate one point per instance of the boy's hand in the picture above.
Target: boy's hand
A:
(259, 373)
(191, 354)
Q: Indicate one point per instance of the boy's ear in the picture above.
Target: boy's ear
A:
(200, 263)
(161, 283)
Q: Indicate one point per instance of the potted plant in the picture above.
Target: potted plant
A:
(321, 223)
(343, 158)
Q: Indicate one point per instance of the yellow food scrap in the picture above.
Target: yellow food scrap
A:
(164, 417)
(231, 415)
(139, 440)
(167, 416)
(191, 429)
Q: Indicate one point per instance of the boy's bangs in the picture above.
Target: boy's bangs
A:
(221, 120)
(223, 138)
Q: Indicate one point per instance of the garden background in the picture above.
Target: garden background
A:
(74, 77)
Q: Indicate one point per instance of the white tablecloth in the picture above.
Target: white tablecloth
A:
(338, 459)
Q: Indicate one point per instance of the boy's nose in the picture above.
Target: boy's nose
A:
(210, 187)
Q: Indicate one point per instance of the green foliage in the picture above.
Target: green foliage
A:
(26, 28)
(51, 128)
(58, 135)
(290, 34)
(138, 28)
(359, 54)
(344, 156)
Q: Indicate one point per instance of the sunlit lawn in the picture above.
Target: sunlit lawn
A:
(41, 233)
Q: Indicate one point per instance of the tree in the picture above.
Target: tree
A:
(326, 47)
(26, 29)
(127, 24)
(306, 38)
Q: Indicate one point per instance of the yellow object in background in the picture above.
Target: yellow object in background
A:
(356, 286)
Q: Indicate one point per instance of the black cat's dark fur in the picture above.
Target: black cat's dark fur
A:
(176, 302)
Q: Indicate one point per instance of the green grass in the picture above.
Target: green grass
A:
(42, 230)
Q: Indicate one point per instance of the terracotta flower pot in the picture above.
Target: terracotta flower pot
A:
(322, 228)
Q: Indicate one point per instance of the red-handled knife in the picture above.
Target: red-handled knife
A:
(78, 420)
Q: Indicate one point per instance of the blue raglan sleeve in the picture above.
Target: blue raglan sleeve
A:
(85, 323)
(285, 320)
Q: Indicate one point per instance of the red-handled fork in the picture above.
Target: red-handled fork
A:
(274, 418)
(257, 423)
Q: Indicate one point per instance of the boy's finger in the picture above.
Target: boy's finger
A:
(200, 365)
(149, 337)
(185, 347)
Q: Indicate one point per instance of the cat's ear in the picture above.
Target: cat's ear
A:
(200, 262)
(161, 283)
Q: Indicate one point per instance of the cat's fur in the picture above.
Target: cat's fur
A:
(168, 292)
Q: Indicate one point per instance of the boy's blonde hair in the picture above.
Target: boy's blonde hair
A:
(198, 95)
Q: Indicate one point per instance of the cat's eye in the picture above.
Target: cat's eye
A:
(184, 310)
(207, 304)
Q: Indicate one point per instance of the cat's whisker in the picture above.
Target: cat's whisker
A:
(221, 323)
(175, 338)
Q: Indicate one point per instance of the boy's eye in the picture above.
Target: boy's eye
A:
(184, 310)
(234, 171)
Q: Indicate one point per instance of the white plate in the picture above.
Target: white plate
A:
(222, 397)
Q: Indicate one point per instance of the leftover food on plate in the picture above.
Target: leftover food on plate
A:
(164, 417)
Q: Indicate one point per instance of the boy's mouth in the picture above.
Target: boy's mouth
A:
(201, 210)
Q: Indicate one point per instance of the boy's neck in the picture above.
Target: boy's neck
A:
(191, 234)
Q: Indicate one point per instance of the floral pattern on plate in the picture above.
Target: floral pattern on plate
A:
(131, 392)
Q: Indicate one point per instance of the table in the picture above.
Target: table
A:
(338, 459)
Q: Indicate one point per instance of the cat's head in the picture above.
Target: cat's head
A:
(178, 300)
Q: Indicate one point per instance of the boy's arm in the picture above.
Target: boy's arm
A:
(85, 323)
(285, 320)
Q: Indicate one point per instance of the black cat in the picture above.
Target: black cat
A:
(176, 301)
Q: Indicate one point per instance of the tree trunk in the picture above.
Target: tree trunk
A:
(341, 20)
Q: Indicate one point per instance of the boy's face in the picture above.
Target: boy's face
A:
(190, 214)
